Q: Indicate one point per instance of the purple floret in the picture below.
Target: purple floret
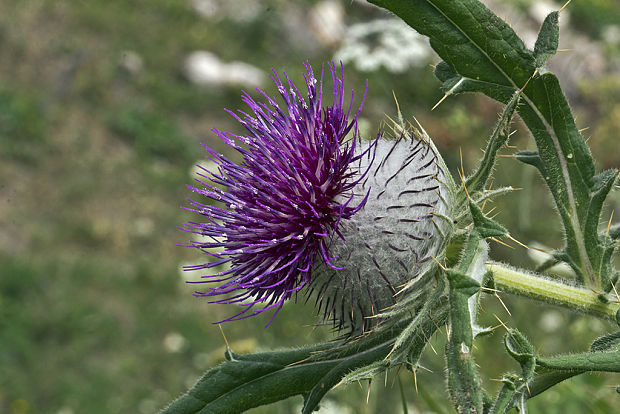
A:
(277, 211)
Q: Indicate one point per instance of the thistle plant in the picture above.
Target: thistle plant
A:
(377, 233)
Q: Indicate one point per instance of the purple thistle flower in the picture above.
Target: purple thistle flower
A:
(277, 212)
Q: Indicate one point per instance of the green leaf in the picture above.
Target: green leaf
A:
(505, 394)
(519, 347)
(554, 370)
(516, 387)
(367, 355)
(606, 343)
(531, 158)
(477, 181)
(247, 381)
(548, 39)
(485, 226)
(464, 382)
(482, 53)
(409, 341)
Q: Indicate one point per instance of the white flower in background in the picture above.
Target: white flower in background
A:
(204, 68)
(174, 342)
(131, 62)
(611, 34)
(388, 42)
(237, 10)
(206, 8)
(327, 21)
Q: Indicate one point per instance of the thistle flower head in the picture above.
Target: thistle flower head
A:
(272, 216)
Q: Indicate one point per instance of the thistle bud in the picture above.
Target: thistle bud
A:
(403, 226)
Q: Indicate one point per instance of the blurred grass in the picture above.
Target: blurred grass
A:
(94, 158)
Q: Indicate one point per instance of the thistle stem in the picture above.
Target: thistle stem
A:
(522, 283)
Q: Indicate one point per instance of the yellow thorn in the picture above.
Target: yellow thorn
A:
(502, 302)
(526, 246)
(394, 124)
(440, 101)
(432, 66)
(224, 336)
(494, 215)
(565, 50)
(616, 292)
(415, 380)
(429, 343)
(528, 81)
(402, 288)
(396, 376)
(609, 223)
(426, 369)
(583, 129)
(389, 353)
(465, 188)
(462, 174)
(500, 321)
(368, 394)
(489, 289)
(562, 8)
(506, 155)
(437, 261)
(396, 101)
(502, 243)
(491, 210)
(385, 382)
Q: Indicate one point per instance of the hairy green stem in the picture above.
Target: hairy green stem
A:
(520, 282)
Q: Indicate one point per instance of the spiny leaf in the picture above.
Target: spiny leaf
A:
(370, 352)
(247, 381)
(477, 181)
(553, 371)
(464, 382)
(505, 394)
(366, 373)
(548, 39)
(518, 346)
(485, 226)
(605, 343)
(482, 53)
(531, 158)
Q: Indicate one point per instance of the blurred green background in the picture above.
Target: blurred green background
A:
(103, 105)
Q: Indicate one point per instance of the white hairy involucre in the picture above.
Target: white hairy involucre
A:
(387, 244)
